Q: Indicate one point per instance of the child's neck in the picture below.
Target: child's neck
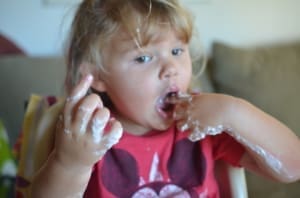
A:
(130, 126)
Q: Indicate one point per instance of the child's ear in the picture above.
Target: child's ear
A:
(97, 84)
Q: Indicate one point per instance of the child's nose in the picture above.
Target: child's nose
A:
(168, 70)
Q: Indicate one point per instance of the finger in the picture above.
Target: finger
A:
(84, 113)
(196, 134)
(180, 112)
(180, 98)
(81, 89)
(110, 138)
(98, 124)
(113, 137)
(76, 95)
(183, 125)
(59, 123)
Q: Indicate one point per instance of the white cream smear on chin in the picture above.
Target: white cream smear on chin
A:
(199, 132)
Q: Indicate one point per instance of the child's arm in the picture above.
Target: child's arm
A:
(79, 144)
(272, 148)
(56, 180)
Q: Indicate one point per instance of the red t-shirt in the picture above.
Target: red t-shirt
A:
(164, 164)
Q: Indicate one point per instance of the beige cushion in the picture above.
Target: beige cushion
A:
(268, 77)
(201, 81)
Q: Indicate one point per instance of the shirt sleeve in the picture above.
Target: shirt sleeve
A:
(228, 149)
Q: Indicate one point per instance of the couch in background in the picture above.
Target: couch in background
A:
(269, 77)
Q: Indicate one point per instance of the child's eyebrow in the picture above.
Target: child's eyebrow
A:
(129, 45)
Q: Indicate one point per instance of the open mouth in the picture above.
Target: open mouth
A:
(166, 104)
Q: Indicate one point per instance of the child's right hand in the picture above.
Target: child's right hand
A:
(80, 140)
(202, 114)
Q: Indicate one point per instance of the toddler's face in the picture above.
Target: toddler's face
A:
(140, 79)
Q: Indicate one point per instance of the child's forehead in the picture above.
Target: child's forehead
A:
(143, 37)
(141, 32)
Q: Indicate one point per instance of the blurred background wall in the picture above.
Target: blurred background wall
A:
(40, 28)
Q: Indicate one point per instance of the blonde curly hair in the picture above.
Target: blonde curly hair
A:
(97, 21)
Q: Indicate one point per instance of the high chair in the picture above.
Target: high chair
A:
(37, 142)
(231, 180)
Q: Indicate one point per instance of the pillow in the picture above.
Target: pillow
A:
(9, 47)
(201, 81)
(268, 77)
(36, 139)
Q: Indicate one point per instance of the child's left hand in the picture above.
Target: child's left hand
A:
(203, 114)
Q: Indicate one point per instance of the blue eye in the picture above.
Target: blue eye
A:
(177, 51)
(143, 59)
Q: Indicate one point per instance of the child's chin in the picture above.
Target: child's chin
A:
(167, 123)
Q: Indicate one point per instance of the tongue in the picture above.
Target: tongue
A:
(169, 101)
(167, 107)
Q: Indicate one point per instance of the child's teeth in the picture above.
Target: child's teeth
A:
(171, 99)
(184, 96)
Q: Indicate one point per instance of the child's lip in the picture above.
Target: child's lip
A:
(171, 89)
(161, 112)
(177, 96)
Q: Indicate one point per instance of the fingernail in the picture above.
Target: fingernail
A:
(89, 77)
(112, 119)
(99, 105)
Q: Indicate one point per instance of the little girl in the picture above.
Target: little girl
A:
(130, 128)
